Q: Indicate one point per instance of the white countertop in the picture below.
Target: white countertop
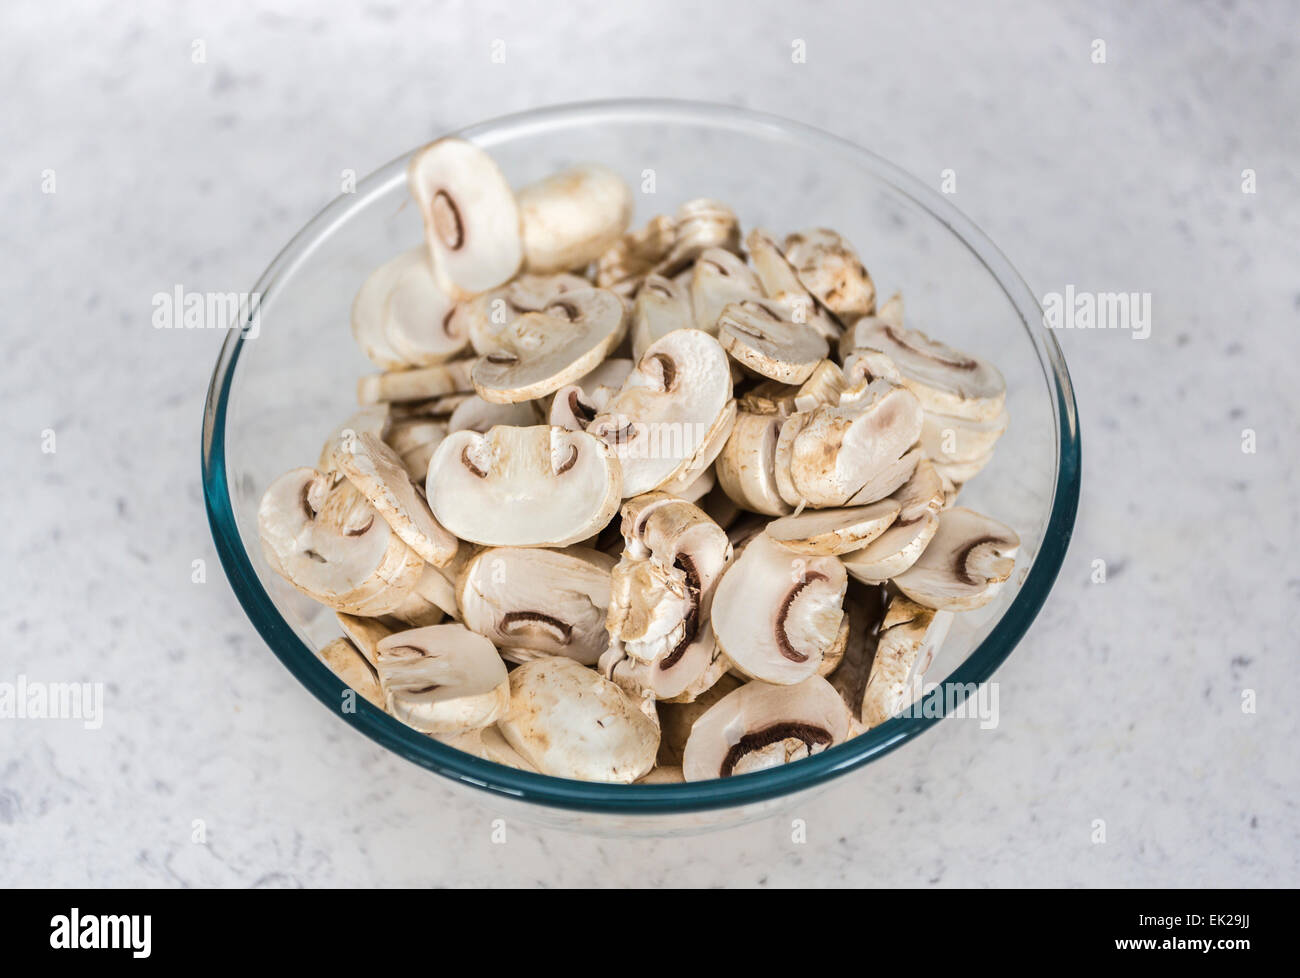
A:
(1123, 703)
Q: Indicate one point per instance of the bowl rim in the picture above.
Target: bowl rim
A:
(660, 799)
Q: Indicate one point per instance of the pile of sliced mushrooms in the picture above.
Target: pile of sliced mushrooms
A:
(641, 505)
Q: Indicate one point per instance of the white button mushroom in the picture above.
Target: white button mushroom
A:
(828, 267)
(965, 564)
(350, 665)
(910, 637)
(402, 317)
(571, 218)
(759, 335)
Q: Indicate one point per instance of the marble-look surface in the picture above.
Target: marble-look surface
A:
(1124, 702)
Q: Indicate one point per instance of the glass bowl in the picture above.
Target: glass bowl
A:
(286, 379)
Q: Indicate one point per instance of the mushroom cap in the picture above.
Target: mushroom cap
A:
(760, 726)
(525, 487)
(830, 269)
(959, 473)
(443, 679)
(485, 316)
(571, 218)
(834, 531)
(894, 551)
(402, 317)
(719, 278)
(781, 283)
(661, 306)
(965, 564)
(910, 636)
(921, 494)
(377, 471)
(548, 601)
(854, 452)
(776, 613)
(569, 722)
(760, 335)
(488, 744)
(542, 351)
(701, 224)
(415, 440)
(945, 380)
(471, 220)
(667, 409)
(324, 537)
(576, 405)
(746, 467)
(346, 662)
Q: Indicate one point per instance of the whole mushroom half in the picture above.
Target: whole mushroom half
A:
(524, 487)
(402, 316)
(965, 565)
(760, 726)
(571, 218)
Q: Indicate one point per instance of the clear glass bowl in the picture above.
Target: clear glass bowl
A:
(278, 390)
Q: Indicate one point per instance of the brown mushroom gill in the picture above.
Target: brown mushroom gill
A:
(569, 462)
(692, 621)
(668, 369)
(962, 557)
(465, 461)
(447, 221)
(782, 640)
(809, 734)
(583, 412)
(513, 622)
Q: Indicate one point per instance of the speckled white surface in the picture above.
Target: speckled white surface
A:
(1122, 704)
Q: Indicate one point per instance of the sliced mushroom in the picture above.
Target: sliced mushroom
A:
(571, 218)
(761, 726)
(662, 591)
(350, 665)
(443, 679)
(373, 419)
(574, 407)
(695, 490)
(864, 365)
(945, 380)
(825, 385)
(676, 719)
(834, 531)
(663, 775)
(569, 722)
(951, 440)
(910, 637)
(830, 269)
(486, 316)
(624, 266)
(921, 494)
(551, 602)
(526, 487)
(365, 634)
(965, 565)
(471, 220)
(668, 410)
(701, 225)
(320, 534)
(833, 656)
(476, 414)
(542, 351)
(894, 551)
(419, 384)
(776, 613)
(854, 453)
(661, 306)
(377, 471)
(402, 317)
(959, 473)
(746, 467)
(415, 440)
(782, 285)
(760, 336)
(864, 610)
(719, 278)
